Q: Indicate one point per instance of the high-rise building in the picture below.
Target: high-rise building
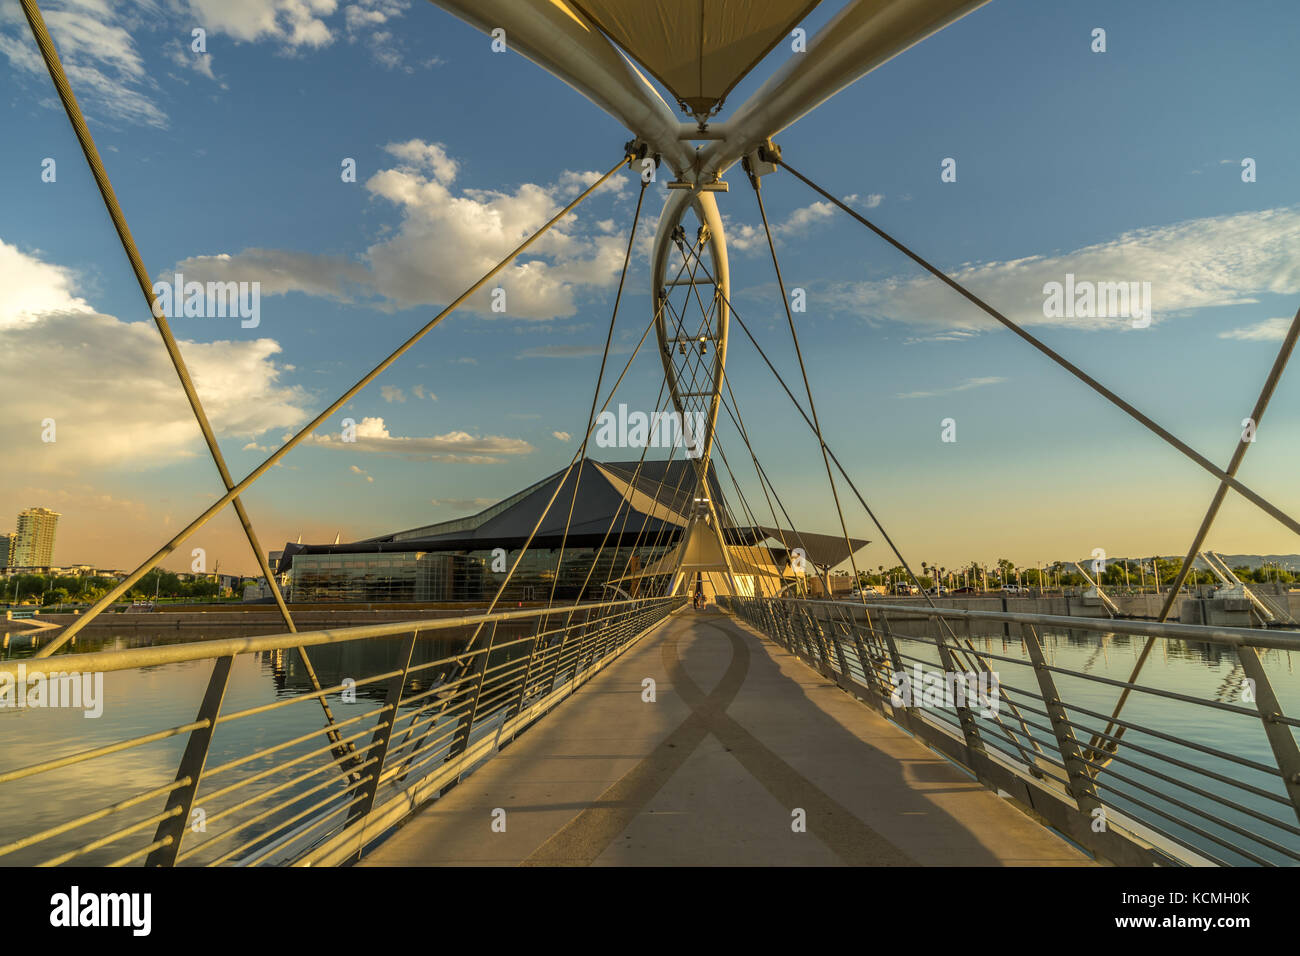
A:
(7, 540)
(33, 545)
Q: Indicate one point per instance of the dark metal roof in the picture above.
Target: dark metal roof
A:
(662, 497)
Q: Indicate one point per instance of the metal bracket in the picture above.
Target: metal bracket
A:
(762, 161)
(716, 186)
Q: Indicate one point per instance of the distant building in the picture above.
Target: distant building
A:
(615, 523)
(7, 549)
(33, 543)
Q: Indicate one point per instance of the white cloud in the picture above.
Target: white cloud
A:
(1270, 330)
(112, 79)
(31, 288)
(109, 385)
(183, 56)
(392, 393)
(372, 436)
(447, 240)
(280, 272)
(562, 436)
(99, 56)
(959, 387)
(419, 392)
(746, 237)
(1223, 260)
(360, 471)
(363, 19)
(870, 201)
(292, 23)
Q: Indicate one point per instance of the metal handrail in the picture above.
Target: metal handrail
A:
(133, 657)
(1065, 781)
(476, 696)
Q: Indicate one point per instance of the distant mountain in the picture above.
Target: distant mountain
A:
(1255, 560)
(1251, 561)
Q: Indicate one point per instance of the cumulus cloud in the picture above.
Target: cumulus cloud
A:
(31, 288)
(1216, 261)
(392, 393)
(109, 385)
(869, 201)
(292, 23)
(746, 237)
(281, 272)
(562, 436)
(448, 237)
(372, 436)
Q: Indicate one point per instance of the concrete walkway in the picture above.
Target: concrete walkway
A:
(741, 737)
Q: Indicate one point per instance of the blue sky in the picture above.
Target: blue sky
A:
(1123, 165)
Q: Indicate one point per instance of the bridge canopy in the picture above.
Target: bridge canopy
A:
(698, 49)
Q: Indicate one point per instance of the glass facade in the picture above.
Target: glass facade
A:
(452, 576)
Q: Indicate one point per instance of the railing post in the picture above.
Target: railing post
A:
(1081, 784)
(801, 621)
(467, 721)
(820, 636)
(1280, 736)
(528, 673)
(191, 767)
(969, 729)
(864, 660)
(832, 628)
(378, 749)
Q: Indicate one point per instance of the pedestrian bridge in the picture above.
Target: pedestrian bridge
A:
(741, 745)
(645, 732)
(780, 729)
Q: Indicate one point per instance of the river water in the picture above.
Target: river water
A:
(146, 700)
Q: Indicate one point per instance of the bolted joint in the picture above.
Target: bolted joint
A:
(761, 161)
(637, 149)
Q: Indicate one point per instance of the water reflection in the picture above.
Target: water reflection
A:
(150, 699)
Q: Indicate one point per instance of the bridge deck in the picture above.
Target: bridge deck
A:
(741, 734)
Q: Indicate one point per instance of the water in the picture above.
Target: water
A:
(1204, 672)
(149, 699)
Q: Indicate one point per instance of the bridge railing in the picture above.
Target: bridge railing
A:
(1185, 773)
(408, 709)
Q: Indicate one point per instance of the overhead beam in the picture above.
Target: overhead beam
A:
(858, 39)
(563, 42)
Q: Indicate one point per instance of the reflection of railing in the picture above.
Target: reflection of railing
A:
(1151, 799)
(320, 797)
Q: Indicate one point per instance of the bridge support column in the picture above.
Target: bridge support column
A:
(191, 767)
(1081, 785)
(1280, 736)
(969, 729)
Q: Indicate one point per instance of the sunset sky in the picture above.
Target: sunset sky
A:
(1117, 166)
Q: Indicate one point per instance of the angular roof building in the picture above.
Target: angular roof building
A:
(626, 534)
